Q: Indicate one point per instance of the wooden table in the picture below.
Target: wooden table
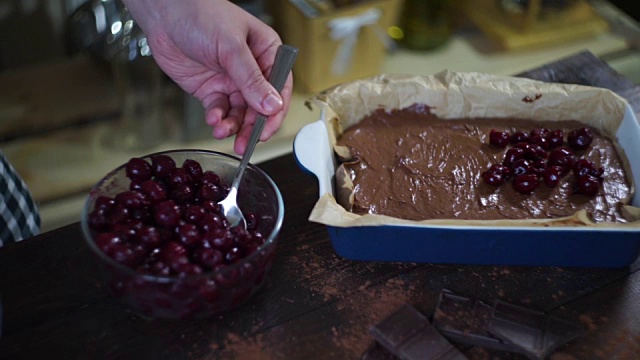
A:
(314, 305)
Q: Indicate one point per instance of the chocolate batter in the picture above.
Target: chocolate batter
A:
(415, 166)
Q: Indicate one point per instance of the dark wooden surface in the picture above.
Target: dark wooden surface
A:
(315, 305)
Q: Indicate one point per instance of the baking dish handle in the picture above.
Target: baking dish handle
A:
(313, 154)
(629, 139)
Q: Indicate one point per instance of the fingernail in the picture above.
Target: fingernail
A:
(272, 103)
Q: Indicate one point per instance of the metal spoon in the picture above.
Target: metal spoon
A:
(285, 57)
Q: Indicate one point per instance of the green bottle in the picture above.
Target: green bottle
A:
(424, 24)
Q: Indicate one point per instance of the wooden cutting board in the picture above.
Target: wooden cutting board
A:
(513, 32)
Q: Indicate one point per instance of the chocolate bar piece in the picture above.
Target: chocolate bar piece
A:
(409, 335)
(502, 326)
(535, 333)
(377, 352)
(466, 321)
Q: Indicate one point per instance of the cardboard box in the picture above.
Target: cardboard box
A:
(322, 57)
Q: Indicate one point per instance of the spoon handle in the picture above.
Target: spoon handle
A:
(285, 57)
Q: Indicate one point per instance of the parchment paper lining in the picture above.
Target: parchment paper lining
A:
(465, 95)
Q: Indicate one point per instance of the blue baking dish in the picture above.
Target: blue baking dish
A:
(608, 247)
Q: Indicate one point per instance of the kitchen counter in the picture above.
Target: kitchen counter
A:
(60, 166)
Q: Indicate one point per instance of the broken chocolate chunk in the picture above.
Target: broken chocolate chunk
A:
(409, 335)
(377, 352)
(502, 326)
(535, 333)
(466, 321)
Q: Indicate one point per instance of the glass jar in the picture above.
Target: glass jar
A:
(425, 24)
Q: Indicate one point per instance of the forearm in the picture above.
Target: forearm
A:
(150, 15)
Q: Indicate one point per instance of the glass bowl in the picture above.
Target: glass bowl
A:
(158, 294)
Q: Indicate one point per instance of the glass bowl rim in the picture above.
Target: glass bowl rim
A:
(270, 241)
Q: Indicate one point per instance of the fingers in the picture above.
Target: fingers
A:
(216, 107)
(232, 121)
(274, 122)
(243, 69)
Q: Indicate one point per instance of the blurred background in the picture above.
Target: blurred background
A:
(80, 93)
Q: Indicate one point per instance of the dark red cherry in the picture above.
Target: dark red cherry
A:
(98, 220)
(580, 139)
(208, 257)
(162, 165)
(210, 222)
(211, 192)
(587, 185)
(561, 156)
(225, 276)
(135, 222)
(135, 185)
(258, 238)
(119, 214)
(535, 152)
(125, 231)
(143, 215)
(499, 138)
(194, 168)
(122, 254)
(220, 239)
(519, 137)
(177, 261)
(552, 175)
(521, 167)
(171, 250)
(539, 167)
(555, 139)
(492, 178)
(209, 291)
(160, 268)
(138, 169)
(140, 253)
(252, 219)
(166, 213)
(251, 248)
(542, 132)
(210, 177)
(233, 255)
(150, 236)
(539, 140)
(194, 213)
(512, 155)
(186, 269)
(153, 191)
(131, 199)
(241, 236)
(212, 206)
(104, 201)
(586, 167)
(525, 184)
(106, 240)
(179, 177)
(188, 234)
(522, 145)
(183, 193)
(499, 169)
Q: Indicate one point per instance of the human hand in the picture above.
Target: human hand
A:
(219, 53)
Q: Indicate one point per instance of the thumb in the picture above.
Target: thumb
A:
(257, 91)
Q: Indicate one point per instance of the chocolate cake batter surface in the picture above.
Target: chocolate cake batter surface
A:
(412, 165)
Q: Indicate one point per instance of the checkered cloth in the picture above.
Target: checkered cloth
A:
(19, 217)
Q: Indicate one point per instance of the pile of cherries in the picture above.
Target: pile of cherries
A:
(541, 155)
(169, 222)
